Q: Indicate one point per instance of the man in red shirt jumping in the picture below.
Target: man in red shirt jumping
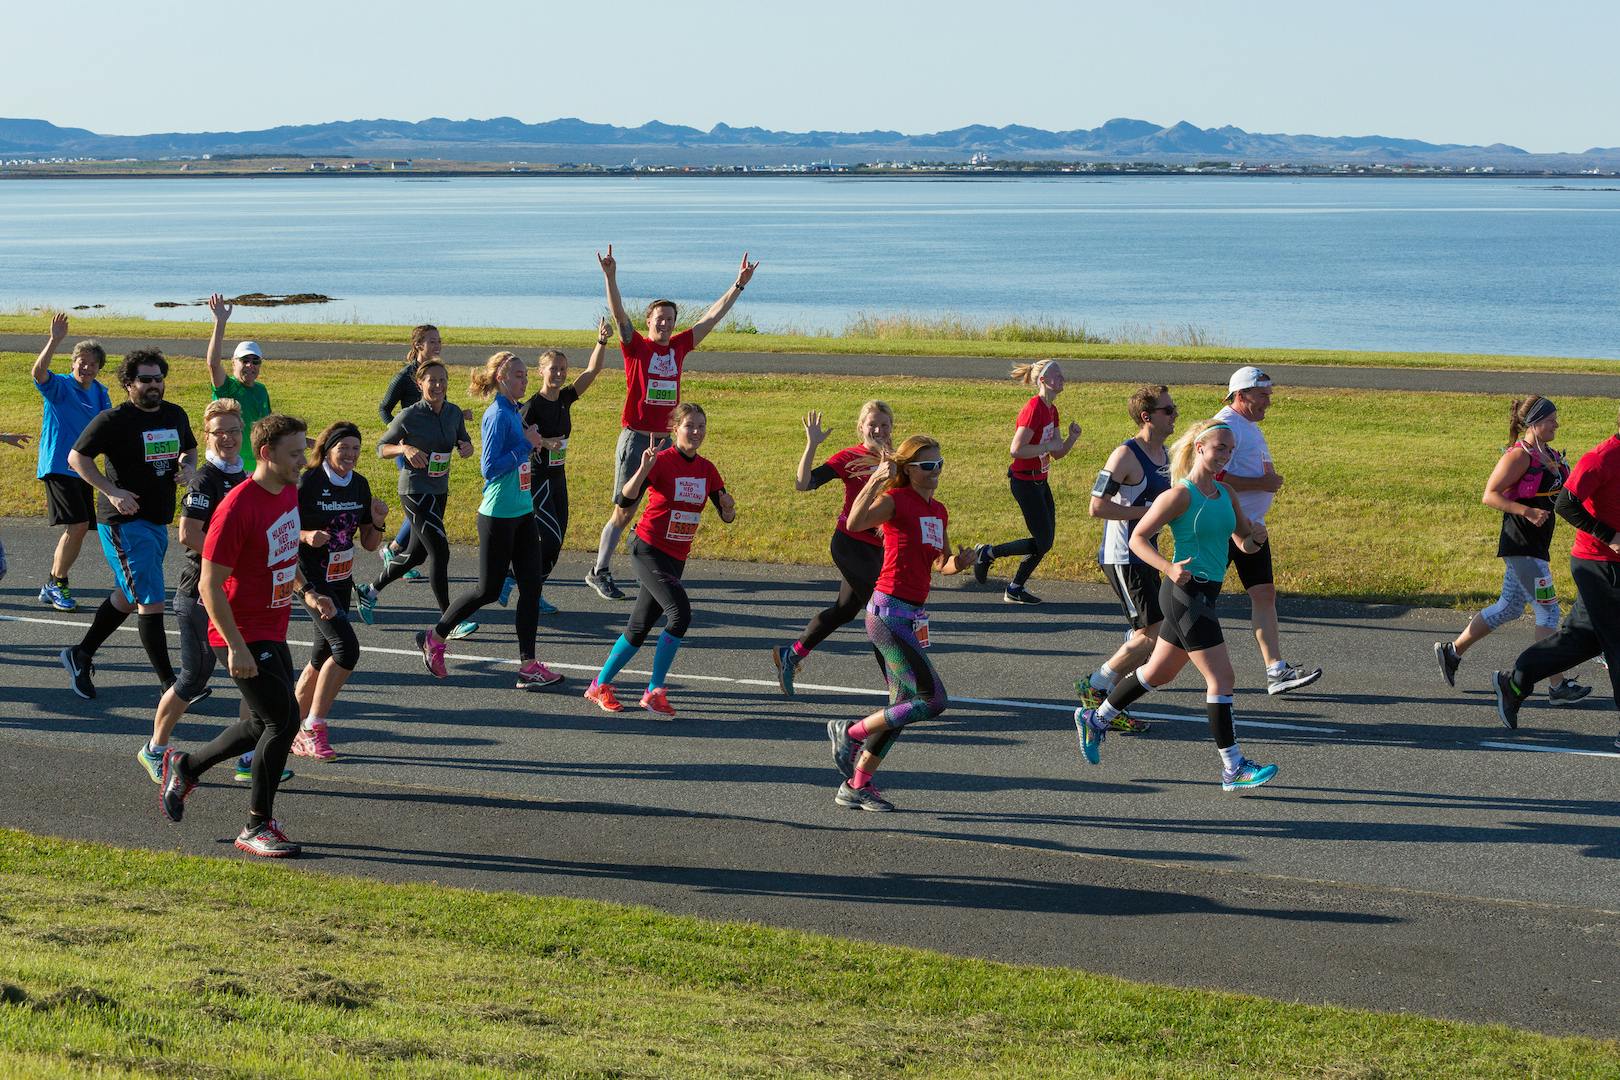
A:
(652, 388)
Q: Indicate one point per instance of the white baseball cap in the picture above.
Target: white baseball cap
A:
(248, 348)
(1248, 378)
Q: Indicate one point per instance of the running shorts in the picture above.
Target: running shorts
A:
(69, 500)
(135, 552)
(1252, 569)
(1137, 587)
(1189, 615)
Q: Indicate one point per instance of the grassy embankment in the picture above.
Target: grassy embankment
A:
(1380, 502)
(129, 963)
(899, 335)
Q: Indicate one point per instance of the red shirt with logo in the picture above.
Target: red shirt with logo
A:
(1596, 483)
(652, 380)
(912, 539)
(1041, 418)
(677, 488)
(841, 464)
(255, 533)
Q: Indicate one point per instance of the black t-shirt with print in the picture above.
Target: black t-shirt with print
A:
(141, 453)
(199, 502)
(339, 511)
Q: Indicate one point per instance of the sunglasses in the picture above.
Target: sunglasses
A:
(928, 466)
(250, 361)
(1168, 410)
(149, 378)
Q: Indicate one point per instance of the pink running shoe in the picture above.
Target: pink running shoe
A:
(657, 703)
(601, 695)
(534, 673)
(432, 646)
(301, 746)
(319, 747)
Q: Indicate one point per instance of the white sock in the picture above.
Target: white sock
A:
(1104, 678)
(156, 751)
(1231, 756)
(1277, 669)
(311, 720)
(1105, 711)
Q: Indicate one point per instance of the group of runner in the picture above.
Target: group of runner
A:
(265, 526)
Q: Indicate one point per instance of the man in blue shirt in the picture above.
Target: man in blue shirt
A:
(70, 404)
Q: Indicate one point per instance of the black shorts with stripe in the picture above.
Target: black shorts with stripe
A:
(1137, 586)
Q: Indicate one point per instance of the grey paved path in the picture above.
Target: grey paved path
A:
(1410, 856)
(962, 367)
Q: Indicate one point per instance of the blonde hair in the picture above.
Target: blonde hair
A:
(1186, 447)
(871, 407)
(908, 452)
(1030, 374)
(482, 383)
(221, 407)
(551, 356)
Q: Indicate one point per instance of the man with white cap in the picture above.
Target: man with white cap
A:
(243, 385)
(1252, 477)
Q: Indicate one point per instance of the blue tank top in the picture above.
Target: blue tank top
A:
(1116, 540)
(1203, 531)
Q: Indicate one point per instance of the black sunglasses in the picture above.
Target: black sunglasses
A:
(148, 378)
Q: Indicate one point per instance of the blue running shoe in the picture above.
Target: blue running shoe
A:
(152, 763)
(506, 589)
(244, 770)
(368, 597)
(546, 607)
(462, 630)
(787, 666)
(59, 597)
(414, 575)
(1246, 775)
(1092, 732)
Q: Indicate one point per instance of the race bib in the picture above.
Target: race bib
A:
(932, 530)
(281, 539)
(663, 364)
(919, 629)
(558, 455)
(1048, 433)
(1545, 590)
(340, 564)
(683, 525)
(690, 489)
(525, 477)
(281, 585)
(438, 465)
(161, 444)
(663, 391)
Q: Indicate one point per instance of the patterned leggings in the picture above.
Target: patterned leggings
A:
(915, 692)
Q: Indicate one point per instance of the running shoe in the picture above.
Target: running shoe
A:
(174, 786)
(386, 554)
(1127, 724)
(244, 770)
(80, 668)
(547, 607)
(462, 630)
(787, 663)
(844, 748)
(1246, 775)
(1291, 678)
(602, 581)
(432, 647)
(152, 763)
(1508, 700)
(1092, 732)
(368, 596)
(59, 597)
(413, 575)
(1445, 654)
(1567, 692)
(535, 674)
(601, 695)
(655, 701)
(1017, 594)
(1090, 697)
(267, 840)
(862, 798)
(506, 590)
(312, 742)
(981, 563)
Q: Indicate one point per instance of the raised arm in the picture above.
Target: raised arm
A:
(718, 309)
(610, 275)
(42, 365)
(814, 436)
(593, 366)
(216, 340)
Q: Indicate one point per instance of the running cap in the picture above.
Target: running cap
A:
(248, 348)
(1248, 378)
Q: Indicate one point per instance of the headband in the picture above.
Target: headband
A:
(1539, 412)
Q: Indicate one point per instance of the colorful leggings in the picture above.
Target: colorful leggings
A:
(915, 692)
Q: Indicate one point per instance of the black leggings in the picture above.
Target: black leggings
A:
(1034, 498)
(428, 543)
(268, 731)
(1591, 629)
(859, 563)
(551, 517)
(503, 543)
(335, 638)
(661, 593)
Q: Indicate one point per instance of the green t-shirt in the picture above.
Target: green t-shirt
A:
(255, 402)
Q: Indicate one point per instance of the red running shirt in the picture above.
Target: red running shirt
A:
(912, 539)
(1596, 483)
(255, 533)
(676, 491)
(652, 380)
(841, 463)
(1042, 419)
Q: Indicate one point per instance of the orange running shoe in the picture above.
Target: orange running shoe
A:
(602, 695)
(657, 703)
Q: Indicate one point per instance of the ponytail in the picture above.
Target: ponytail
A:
(908, 452)
(1030, 374)
(1185, 449)
(482, 383)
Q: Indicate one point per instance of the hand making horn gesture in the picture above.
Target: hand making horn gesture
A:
(745, 272)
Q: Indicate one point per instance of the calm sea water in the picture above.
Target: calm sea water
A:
(1488, 265)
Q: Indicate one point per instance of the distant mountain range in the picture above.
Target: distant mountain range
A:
(572, 140)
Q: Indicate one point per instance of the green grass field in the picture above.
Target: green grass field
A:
(896, 336)
(128, 963)
(1381, 499)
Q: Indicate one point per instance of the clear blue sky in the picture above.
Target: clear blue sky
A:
(1541, 76)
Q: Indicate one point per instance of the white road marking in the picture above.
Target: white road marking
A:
(1550, 749)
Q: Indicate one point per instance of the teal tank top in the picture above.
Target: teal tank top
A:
(1203, 532)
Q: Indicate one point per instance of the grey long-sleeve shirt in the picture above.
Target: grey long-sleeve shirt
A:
(436, 435)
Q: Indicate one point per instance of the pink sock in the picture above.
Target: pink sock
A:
(860, 780)
(800, 651)
(857, 731)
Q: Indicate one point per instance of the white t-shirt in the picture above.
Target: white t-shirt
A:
(1252, 457)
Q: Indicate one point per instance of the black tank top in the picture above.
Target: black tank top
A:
(1538, 488)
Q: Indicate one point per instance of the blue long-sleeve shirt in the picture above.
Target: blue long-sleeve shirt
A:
(504, 461)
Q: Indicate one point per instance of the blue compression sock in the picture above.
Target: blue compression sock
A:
(668, 646)
(620, 656)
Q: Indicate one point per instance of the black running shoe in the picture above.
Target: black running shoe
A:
(866, 798)
(843, 747)
(80, 668)
(174, 787)
(602, 581)
(267, 841)
(1017, 594)
(1445, 654)
(1567, 692)
(1508, 700)
(981, 563)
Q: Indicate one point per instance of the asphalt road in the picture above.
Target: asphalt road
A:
(1411, 855)
(958, 367)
